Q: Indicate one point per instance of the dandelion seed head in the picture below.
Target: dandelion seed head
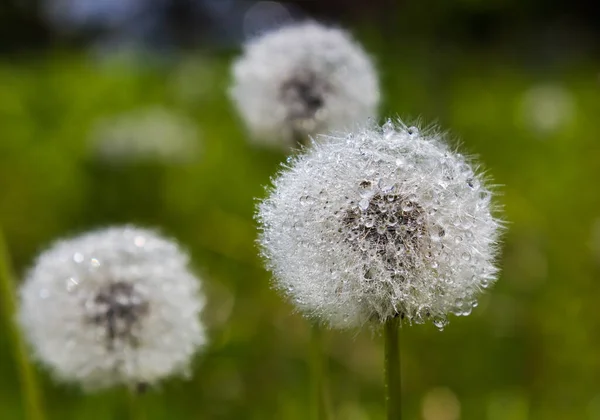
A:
(114, 306)
(303, 79)
(381, 223)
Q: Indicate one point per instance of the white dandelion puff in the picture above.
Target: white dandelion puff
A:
(115, 306)
(152, 133)
(382, 223)
(303, 79)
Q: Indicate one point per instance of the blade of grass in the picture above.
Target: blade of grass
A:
(29, 387)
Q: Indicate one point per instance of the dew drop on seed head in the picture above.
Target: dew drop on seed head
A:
(440, 322)
(385, 185)
(437, 233)
(412, 131)
(388, 130)
(407, 206)
(363, 204)
(365, 188)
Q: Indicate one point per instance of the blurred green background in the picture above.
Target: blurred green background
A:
(531, 350)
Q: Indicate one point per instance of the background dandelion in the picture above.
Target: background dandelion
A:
(303, 79)
(116, 306)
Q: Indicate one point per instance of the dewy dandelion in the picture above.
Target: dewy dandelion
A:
(383, 223)
(301, 80)
(115, 306)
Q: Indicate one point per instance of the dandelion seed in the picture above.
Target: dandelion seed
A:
(353, 236)
(115, 306)
(301, 80)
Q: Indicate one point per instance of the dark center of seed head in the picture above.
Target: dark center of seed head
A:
(119, 311)
(395, 232)
(303, 96)
(393, 225)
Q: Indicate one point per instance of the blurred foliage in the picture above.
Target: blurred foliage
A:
(529, 351)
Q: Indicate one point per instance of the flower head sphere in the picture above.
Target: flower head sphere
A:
(302, 80)
(115, 306)
(382, 223)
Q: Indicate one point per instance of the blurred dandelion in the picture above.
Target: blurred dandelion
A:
(547, 108)
(148, 134)
(379, 226)
(114, 306)
(301, 80)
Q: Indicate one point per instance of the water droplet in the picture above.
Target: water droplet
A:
(412, 131)
(440, 322)
(306, 199)
(407, 206)
(364, 204)
(381, 229)
(388, 130)
(385, 185)
(365, 188)
(94, 263)
(78, 257)
(139, 241)
(466, 256)
(437, 233)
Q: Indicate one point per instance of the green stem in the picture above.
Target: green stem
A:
(393, 387)
(136, 405)
(318, 397)
(29, 388)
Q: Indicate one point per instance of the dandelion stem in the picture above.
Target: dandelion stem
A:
(318, 396)
(136, 405)
(393, 387)
(29, 388)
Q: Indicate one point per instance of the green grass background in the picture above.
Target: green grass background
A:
(531, 350)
